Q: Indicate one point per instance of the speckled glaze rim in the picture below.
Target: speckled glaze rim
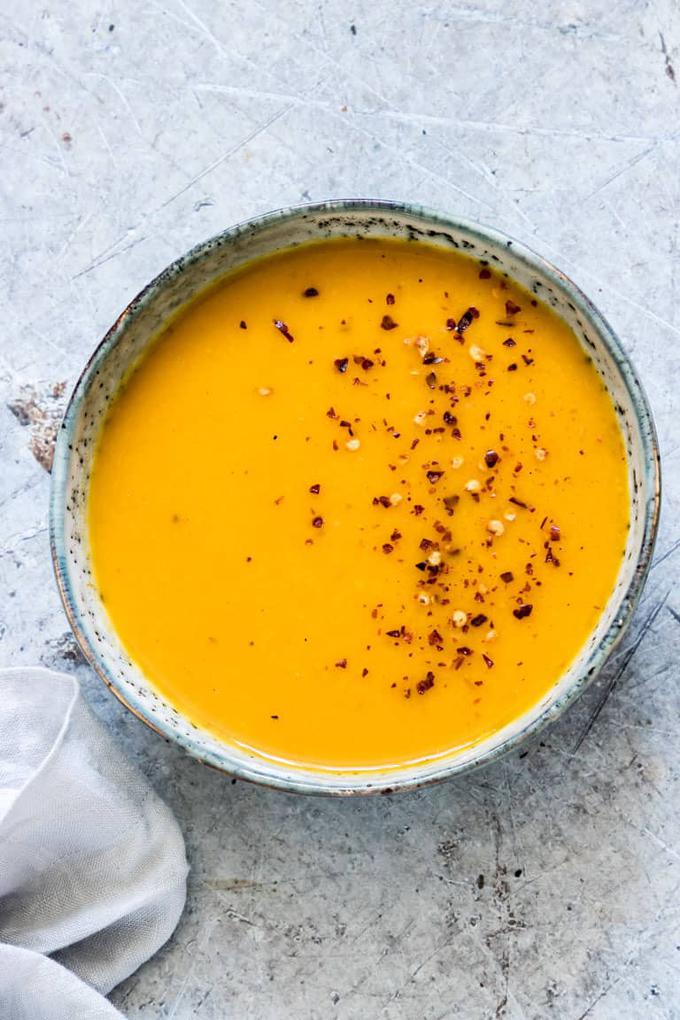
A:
(410, 776)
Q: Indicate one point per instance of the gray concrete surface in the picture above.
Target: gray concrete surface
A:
(129, 131)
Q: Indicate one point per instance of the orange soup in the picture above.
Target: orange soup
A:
(361, 503)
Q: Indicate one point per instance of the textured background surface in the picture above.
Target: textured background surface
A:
(129, 131)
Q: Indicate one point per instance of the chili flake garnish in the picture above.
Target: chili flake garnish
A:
(317, 522)
(315, 489)
(467, 318)
(388, 322)
(507, 576)
(488, 661)
(478, 620)
(523, 611)
(389, 299)
(491, 458)
(283, 328)
(341, 364)
(425, 685)
(310, 292)
(511, 308)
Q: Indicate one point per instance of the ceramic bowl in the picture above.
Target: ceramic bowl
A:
(141, 321)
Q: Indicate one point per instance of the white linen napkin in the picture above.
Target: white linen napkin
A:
(92, 863)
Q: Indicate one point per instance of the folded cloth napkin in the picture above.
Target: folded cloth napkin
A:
(92, 863)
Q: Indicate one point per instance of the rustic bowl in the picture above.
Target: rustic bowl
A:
(141, 321)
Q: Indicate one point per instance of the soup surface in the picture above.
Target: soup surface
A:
(360, 504)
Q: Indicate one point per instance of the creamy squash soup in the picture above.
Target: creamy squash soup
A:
(360, 504)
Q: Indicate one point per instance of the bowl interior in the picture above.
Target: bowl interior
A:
(140, 323)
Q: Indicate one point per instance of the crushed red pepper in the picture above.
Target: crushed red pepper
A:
(283, 329)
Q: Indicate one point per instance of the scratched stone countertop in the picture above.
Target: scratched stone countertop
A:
(547, 885)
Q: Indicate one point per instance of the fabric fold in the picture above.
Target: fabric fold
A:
(92, 863)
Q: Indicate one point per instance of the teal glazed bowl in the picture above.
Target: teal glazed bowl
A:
(140, 322)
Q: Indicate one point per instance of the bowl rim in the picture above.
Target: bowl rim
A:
(282, 776)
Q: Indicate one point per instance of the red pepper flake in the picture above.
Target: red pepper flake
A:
(517, 468)
(395, 536)
(449, 419)
(341, 364)
(451, 502)
(364, 672)
(432, 359)
(518, 502)
(511, 308)
(393, 633)
(389, 299)
(522, 611)
(315, 489)
(512, 367)
(310, 292)
(417, 509)
(491, 458)
(243, 324)
(317, 522)
(467, 318)
(342, 664)
(554, 533)
(365, 363)
(435, 638)
(382, 501)
(488, 661)
(421, 566)
(464, 650)
(451, 325)
(425, 544)
(434, 476)
(387, 548)
(431, 380)
(509, 342)
(283, 328)
(507, 576)
(331, 413)
(478, 620)
(388, 322)
(526, 360)
(484, 274)
(427, 684)
(549, 558)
